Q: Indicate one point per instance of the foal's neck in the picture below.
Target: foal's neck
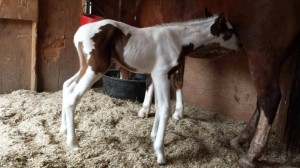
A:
(195, 32)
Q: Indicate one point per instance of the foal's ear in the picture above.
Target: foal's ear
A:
(221, 17)
(208, 14)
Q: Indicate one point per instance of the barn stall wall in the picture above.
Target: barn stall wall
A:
(221, 85)
(123, 10)
(58, 20)
(57, 58)
(18, 20)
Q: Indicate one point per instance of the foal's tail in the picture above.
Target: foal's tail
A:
(292, 125)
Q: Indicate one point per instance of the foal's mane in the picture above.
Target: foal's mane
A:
(188, 23)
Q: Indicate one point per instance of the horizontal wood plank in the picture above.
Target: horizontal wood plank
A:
(19, 9)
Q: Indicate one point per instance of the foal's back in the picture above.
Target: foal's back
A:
(130, 46)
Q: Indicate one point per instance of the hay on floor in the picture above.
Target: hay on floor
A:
(111, 135)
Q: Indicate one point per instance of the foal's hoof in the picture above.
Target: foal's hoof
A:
(73, 144)
(143, 113)
(245, 162)
(177, 117)
(161, 158)
(161, 162)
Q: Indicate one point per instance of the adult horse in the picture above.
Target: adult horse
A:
(269, 31)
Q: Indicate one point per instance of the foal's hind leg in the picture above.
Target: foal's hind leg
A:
(265, 73)
(70, 100)
(145, 110)
(162, 104)
(68, 86)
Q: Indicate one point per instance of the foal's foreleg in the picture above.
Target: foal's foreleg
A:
(178, 114)
(162, 103)
(178, 83)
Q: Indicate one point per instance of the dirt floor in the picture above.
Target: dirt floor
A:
(111, 135)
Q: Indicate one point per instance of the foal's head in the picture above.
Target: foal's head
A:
(223, 32)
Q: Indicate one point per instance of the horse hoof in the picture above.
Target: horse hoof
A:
(176, 117)
(162, 162)
(143, 113)
(245, 162)
(73, 144)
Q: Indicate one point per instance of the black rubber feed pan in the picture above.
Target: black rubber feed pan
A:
(124, 89)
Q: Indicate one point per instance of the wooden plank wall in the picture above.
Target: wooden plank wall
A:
(221, 85)
(123, 10)
(18, 44)
(224, 86)
(15, 59)
(58, 20)
(57, 58)
(20, 10)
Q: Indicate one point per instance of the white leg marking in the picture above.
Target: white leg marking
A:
(162, 94)
(71, 98)
(145, 110)
(179, 106)
(67, 87)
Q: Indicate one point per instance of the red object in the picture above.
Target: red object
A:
(84, 19)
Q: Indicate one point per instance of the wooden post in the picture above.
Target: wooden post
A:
(33, 83)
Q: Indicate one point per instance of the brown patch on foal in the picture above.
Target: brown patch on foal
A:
(109, 44)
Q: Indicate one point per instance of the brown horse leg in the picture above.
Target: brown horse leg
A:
(247, 133)
(265, 74)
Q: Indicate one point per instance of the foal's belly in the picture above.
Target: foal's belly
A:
(140, 62)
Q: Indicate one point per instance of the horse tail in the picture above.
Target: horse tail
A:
(292, 124)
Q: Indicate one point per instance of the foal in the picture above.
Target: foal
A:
(157, 50)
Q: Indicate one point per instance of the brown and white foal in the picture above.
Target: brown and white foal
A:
(157, 50)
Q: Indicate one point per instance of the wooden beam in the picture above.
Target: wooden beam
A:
(20, 10)
(33, 83)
